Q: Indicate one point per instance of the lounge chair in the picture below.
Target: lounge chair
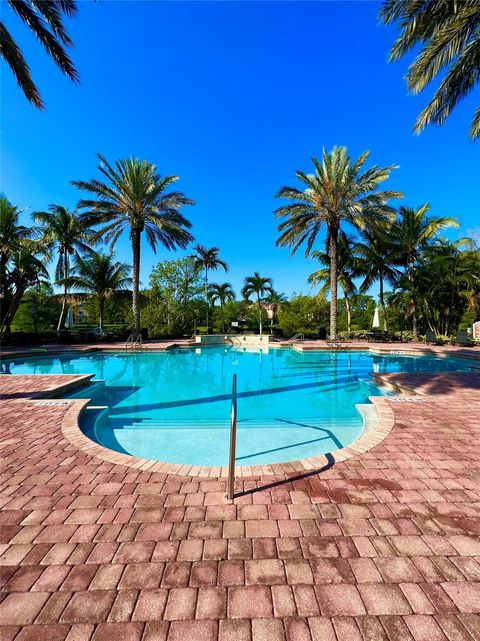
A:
(462, 338)
(431, 337)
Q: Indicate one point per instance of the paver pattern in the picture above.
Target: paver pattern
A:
(381, 547)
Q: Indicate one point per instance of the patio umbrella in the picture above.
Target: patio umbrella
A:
(376, 318)
(69, 323)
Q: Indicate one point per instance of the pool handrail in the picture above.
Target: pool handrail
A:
(233, 442)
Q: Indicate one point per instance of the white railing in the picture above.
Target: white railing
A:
(134, 342)
(298, 338)
(233, 441)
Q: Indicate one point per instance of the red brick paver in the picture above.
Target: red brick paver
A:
(384, 545)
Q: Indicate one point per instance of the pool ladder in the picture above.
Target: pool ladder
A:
(134, 342)
(233, 441)
(298, 338)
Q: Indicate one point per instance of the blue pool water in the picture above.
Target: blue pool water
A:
(175, 406)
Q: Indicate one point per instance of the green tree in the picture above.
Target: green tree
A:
(133, 197)
(445, 287)
(25, 268)
(337, 193)
(208, 259)
(222, 292)
(45, 19)
(13, 236)
(448, 35)
(66, 233)
(100, 275)
(346, 266)
(376, 262)
(411, 232)
(275, 299)
(175, 285)
(260, 287)
(304, 314)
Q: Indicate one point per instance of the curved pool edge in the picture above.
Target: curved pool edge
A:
(370, 437)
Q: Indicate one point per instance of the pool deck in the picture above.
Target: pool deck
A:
(383, 546)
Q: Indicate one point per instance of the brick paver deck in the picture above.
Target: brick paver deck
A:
(381, 547)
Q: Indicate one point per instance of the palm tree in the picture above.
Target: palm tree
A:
(346, 267)
(259, 286)
(12, 234)
(66, 232)
(448, 35)
(45, 21)
(133, 198)
(337, 193)
(26, 267)
(102, 276)
(410, 233)
(376, 261)
(222, 293)
(208, 259)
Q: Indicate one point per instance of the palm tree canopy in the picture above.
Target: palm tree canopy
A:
(376, 258)
(258, 285)
(222, 292)
(45, 19)
(448, 34)
(338, 191)
(208, 258)
(346, 266)
(100, 274)
(66, 231)
(133, 198)
(12, 234)
(413, 229)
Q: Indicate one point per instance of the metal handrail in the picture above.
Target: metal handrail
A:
(298, 337)
(233, 441)
(134, 342)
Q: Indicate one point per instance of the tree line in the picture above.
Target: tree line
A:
(338, 214)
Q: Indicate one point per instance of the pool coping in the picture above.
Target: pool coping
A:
(368, 439)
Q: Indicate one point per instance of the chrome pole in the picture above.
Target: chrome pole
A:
(233, 441)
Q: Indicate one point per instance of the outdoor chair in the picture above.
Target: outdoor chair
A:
(431, 337)
(462, 339)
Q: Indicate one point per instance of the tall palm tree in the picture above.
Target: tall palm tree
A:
(376, 262)
(337, 193)
(259, 286)
(346, 267)
(64, 231)
(208, 259)
(45, 19)
(133, 197)
(448, 34)
(101, 276)
(223, 293)
(410, 233)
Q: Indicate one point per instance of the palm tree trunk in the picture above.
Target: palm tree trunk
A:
(382, 303)
(221, 312)
(101, 304)
(206, 293)
(333, 282)
(63, 311)
(259, 314)
(135, 236)
(349, 312)
(414, 312)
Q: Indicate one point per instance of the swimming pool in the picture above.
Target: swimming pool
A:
(174, 406)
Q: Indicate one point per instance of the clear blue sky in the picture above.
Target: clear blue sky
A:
(232, 97)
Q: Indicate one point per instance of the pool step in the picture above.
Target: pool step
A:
(325, 423)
